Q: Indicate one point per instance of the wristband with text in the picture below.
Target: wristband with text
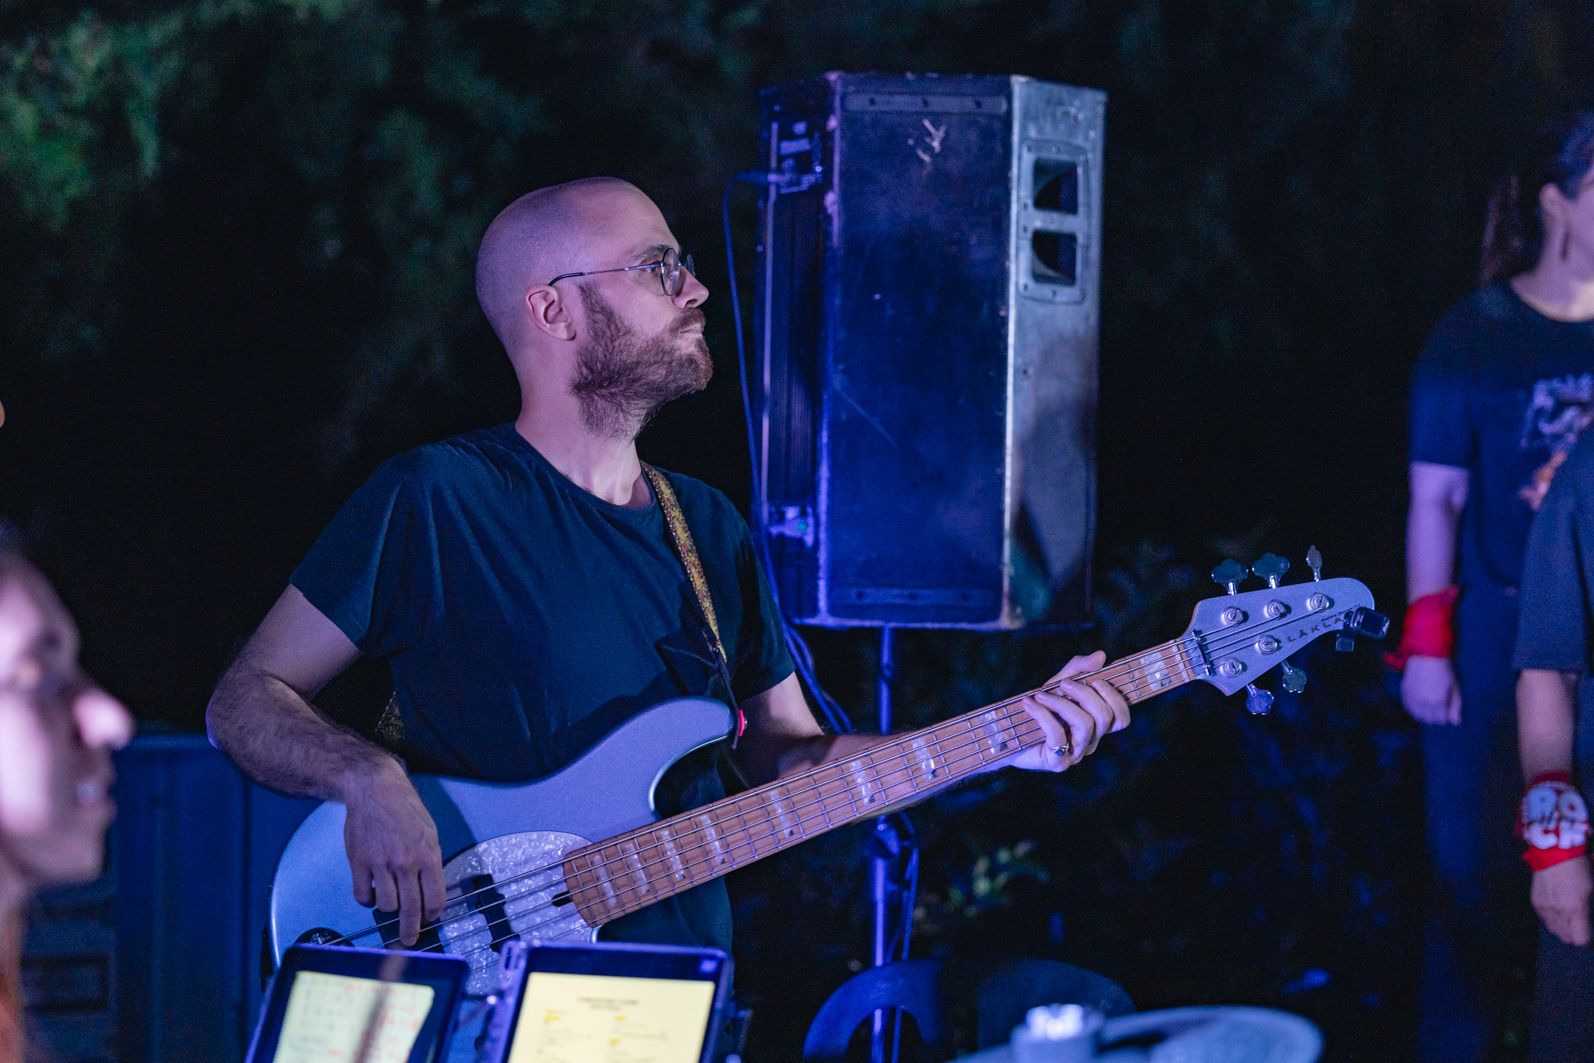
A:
(1553, 821)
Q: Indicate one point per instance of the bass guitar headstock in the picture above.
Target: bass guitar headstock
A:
(1234, 639)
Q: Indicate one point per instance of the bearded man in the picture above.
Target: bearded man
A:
(521, 582)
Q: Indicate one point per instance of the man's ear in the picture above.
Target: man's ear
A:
(549, 313)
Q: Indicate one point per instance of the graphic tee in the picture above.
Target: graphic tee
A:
(1504, 392)
(524, 618)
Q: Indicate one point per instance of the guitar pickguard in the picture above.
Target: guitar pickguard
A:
(509, 887)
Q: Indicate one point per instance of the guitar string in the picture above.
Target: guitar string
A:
(1129, 666)
(1025, 730)
(1116, 671)
(747, 827)
(731, 834)
(627, 909)
(746, 823)
(969, 720)
(1027, 724)
(1185, 658)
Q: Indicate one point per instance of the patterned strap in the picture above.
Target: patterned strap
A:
(681, 539)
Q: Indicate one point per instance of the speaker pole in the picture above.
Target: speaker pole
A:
(893, 853)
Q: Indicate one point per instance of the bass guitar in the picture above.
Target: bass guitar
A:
(560, 857)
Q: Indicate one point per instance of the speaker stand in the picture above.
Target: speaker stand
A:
(894, 849)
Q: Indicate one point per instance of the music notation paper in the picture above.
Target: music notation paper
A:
(574, 1018)
(331, 1016)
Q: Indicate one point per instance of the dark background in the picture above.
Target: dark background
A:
(235, 274)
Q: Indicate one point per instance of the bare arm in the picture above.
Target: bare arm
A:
(1546, 709)
(783, 737)
(1545, 713)
(1438, 495)
(260, 715)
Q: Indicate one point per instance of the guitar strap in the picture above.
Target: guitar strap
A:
(390, 728)
(686, 550)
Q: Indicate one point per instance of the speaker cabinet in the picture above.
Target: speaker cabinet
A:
(927, 323)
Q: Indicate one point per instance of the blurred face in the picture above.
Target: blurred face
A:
(57, 731)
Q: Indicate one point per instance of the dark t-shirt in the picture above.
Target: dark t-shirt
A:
(1501, 391)
(524, 618)
(1558, 589)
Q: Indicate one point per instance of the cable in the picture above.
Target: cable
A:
(802, 655)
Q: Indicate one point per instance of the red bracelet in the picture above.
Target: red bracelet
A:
(1429, 629)
(1553, 821)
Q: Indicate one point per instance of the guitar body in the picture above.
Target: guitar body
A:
(502, 843)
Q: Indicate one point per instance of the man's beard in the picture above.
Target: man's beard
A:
(622, 379)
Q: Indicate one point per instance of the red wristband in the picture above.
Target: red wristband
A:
(1429, 629)
(1553, 821)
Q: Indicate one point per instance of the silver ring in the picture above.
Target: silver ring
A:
(1059, 751)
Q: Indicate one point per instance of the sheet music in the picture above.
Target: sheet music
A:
(583, 1018)
(328, 1016)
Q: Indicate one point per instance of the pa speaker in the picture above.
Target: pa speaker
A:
(927, 325)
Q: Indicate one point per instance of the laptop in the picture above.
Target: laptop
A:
(561, 1002)
(343, 1005)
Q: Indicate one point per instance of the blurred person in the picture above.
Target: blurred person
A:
(57, 731)
(1500, 394)
(521, 584)
(1554, 704)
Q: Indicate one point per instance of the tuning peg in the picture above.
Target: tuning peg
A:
(1367, 623)
(1294, 678)
(1230, 574)
(1364, 622)
(1314, 561)
(1258, 702)
(1271, 567)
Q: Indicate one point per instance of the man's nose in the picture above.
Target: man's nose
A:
(693, 292)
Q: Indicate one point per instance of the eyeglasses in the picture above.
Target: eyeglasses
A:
(671, 268)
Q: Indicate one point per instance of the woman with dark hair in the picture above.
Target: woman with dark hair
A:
(57, 730)
(1502, 390)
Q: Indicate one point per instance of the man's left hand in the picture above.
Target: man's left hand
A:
(1073, 716)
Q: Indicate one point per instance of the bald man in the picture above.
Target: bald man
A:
(521, 585)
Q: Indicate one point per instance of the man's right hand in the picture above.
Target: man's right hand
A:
(1430, 692)
(1560, 896)
(392, 846)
